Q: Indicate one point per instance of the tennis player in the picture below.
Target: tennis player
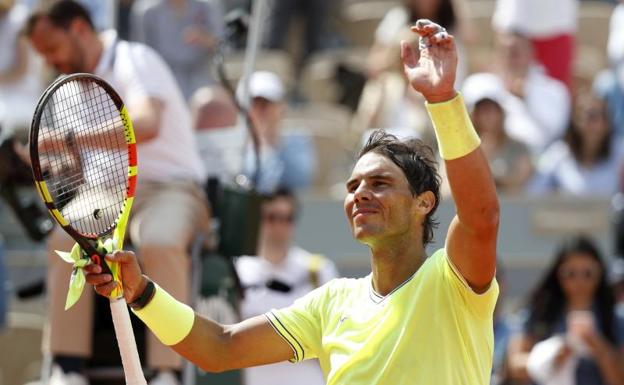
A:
(414, 319)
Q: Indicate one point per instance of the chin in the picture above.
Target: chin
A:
(364, 234)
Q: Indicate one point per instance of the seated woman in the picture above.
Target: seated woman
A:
(587, 160)
(574, 284)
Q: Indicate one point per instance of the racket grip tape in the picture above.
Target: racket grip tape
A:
(126, 342)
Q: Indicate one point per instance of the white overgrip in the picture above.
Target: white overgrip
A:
(127, 344)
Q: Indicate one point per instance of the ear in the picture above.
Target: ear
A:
(425, 202)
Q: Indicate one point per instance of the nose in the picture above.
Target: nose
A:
(362, 193)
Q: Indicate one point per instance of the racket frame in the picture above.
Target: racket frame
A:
(87, 243)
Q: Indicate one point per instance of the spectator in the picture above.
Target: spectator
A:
(397, 21)
(538, 112)
(587, 160)
(20, 79)
(549, 25)
(573, 288)
(168, 187)
(509, 159)
(610, 83)
(221, 141)
(185, 33)
(281, 273)
(286, 159)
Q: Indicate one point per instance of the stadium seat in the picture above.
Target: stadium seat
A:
(360, 20)
(593, 24)
(319, 76)
(276, 61)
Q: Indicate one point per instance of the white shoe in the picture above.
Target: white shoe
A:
(59, 377)
(164, 378)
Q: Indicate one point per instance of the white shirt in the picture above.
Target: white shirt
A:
(558, 171)
(294, 271)
(222, 150)
(538, 119)
(138, 72)
(537, 18)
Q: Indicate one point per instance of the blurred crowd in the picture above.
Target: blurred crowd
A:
(545, 98)
(545, 89)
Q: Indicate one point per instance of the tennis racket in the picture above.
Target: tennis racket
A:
(83, 155)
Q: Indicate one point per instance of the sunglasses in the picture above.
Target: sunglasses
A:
(572, 274)
(279, 218)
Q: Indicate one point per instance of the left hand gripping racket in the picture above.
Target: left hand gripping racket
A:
(83, 154)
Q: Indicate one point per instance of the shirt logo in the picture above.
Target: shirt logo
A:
(342, 319)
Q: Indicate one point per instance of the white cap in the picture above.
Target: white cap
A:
(264, 84)
(482, 86)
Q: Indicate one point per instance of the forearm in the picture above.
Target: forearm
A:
(217, 348)
(474, 192)
(208, 344)
(205, 345)
(470, 179)
(146, 116)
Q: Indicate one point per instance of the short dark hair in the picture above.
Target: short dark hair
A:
(61, 13)
(286, 193)
(418, 164)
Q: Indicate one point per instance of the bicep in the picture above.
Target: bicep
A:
(215, 347)
(473, 254)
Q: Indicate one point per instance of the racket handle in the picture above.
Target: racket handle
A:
(127, 345)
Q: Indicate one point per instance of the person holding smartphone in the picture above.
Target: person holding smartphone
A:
(573, 302)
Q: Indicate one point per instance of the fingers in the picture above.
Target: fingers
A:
(425, 27)
(102, 283)
(431, 33)
(106, 288)
(408, 56)
(121, 256)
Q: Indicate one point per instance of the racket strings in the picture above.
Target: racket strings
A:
(82, 141)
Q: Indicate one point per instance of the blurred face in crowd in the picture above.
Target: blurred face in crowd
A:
(379, 205)
(515, 52)
(63, 49)
(427, 9)
(278, 220)
(266, 116)
(591, 121)
(579, 276)
(488, 118)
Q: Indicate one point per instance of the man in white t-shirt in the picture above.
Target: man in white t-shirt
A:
(169, 208)
(280, 274)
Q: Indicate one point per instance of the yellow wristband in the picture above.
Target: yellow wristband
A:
(168, 318)
(454, 130)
